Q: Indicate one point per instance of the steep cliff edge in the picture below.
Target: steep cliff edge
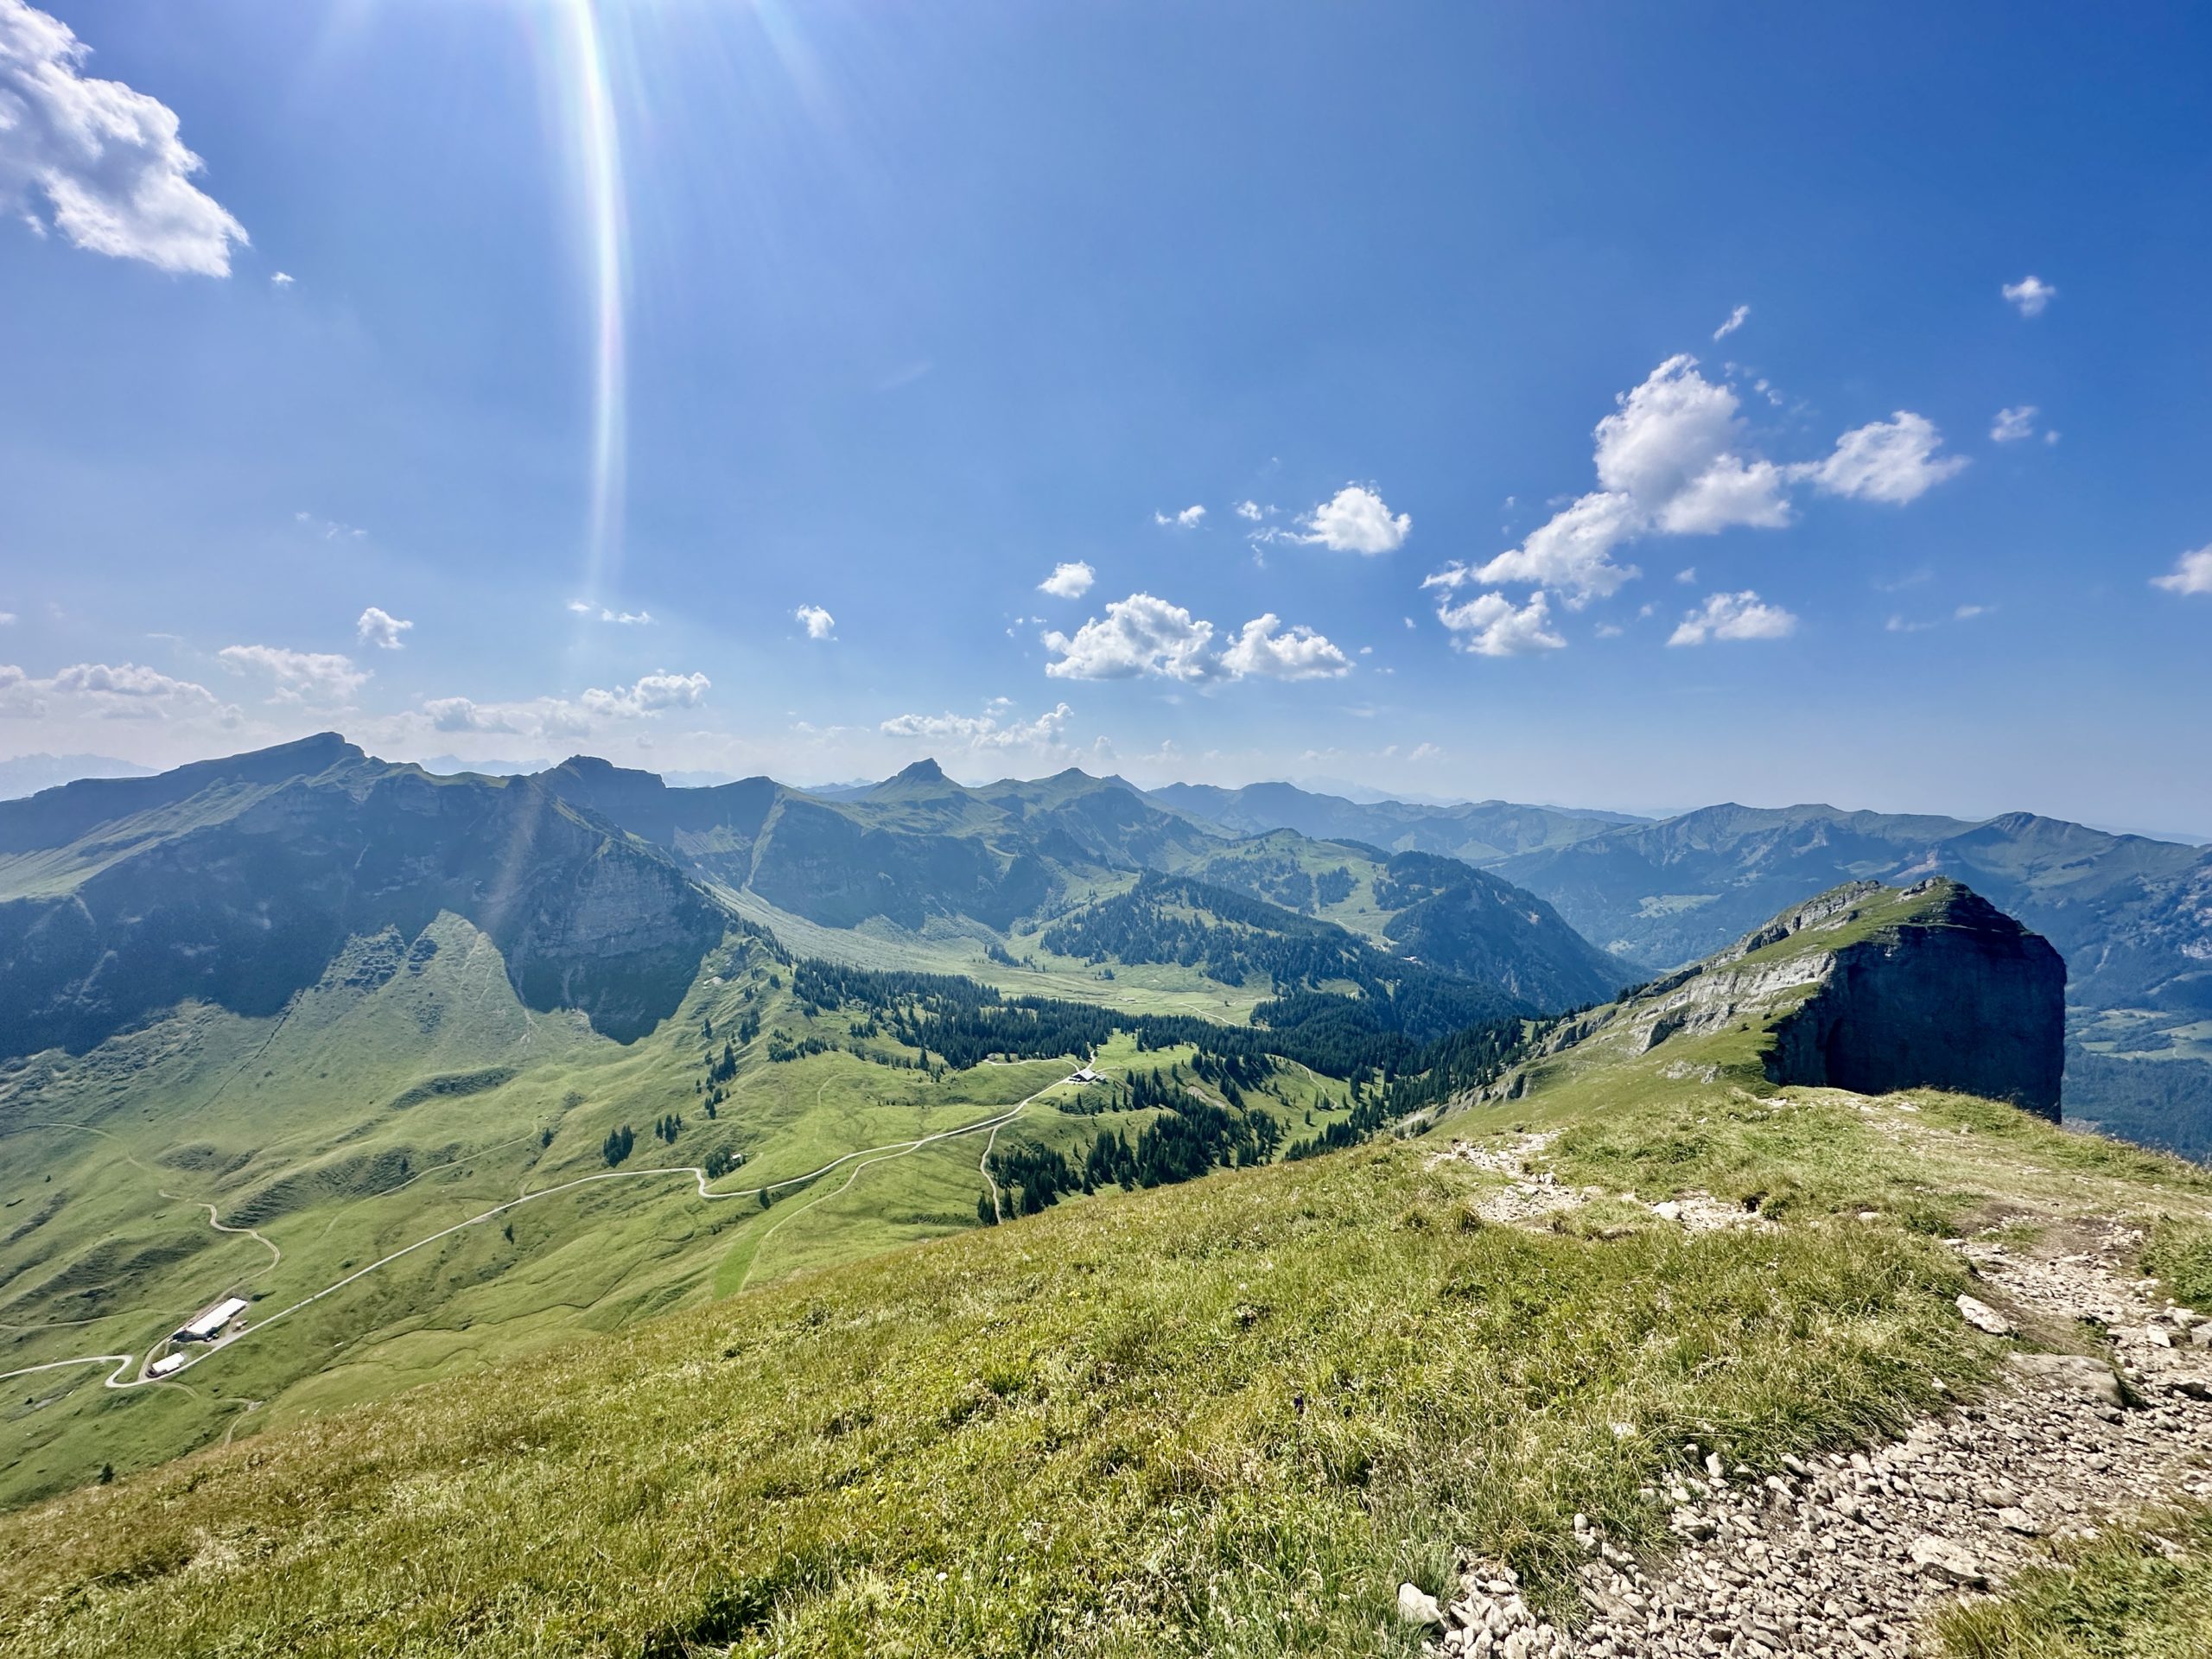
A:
(1933, 986)
(1864, 988)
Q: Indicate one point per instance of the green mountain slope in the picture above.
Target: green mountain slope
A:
(937, 860)
(1223, 1417)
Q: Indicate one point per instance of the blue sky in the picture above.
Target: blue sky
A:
(712, 387)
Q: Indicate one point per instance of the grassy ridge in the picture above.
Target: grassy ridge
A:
(1223, 1418)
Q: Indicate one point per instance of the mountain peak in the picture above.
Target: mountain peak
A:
(925, 771)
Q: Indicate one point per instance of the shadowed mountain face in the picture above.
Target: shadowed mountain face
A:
(2133, 914)
(239, 882)
(1944, 990)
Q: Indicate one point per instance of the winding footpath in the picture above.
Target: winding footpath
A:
(124, 1363)
(1850, 1556)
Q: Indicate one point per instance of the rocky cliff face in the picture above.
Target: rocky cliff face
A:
(1957, 995)
(1873, 989)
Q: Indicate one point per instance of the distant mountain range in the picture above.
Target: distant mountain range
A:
(2133, 915)
(239, 879)
(239, 882)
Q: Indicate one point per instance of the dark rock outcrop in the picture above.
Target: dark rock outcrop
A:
(1950, 993)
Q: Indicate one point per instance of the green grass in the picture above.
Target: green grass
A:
(2180, 1254)
(319, 1129)
(2138, 1592)
(1225, 1418)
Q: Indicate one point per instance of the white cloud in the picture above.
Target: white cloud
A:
(1669, 459)
(123, 692)
(1251, 510)
(108, 160)
(2013, 425)
(280, 279)
(543, 717)
(1687, 576)
(1189, 519)
(1967, 613)
(1068, 581)
(461, 715)
(1138, 635)
(1143, 635)
(7, 619)
(1266, 650)
(817, 622)
(380, 628)
(1572, 551)
(983, 732)
(331, 529)
(1356, 520)
(1424, 752)
(653, 693)
(2192, 573)
(1671, 449)
(625, 619)
(1673, 460)
(2030, 295)
(1736, 320)
(1891, 460)
(315, 677)
(1490, 625)
(1734, 616)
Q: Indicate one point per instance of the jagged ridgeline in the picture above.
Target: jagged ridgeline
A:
(240, 882)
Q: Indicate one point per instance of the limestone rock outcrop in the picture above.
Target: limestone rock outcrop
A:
(1949, 994)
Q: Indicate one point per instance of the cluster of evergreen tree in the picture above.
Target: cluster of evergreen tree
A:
(1189, 1138)
(719, 1162)
(1227, 935)
(667, 1128)
(783, 1046)
(617, 1143)
(962, 1021)
(1469, 1058)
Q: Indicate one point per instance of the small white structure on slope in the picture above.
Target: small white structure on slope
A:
(165, 1364)
(204, 1328)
